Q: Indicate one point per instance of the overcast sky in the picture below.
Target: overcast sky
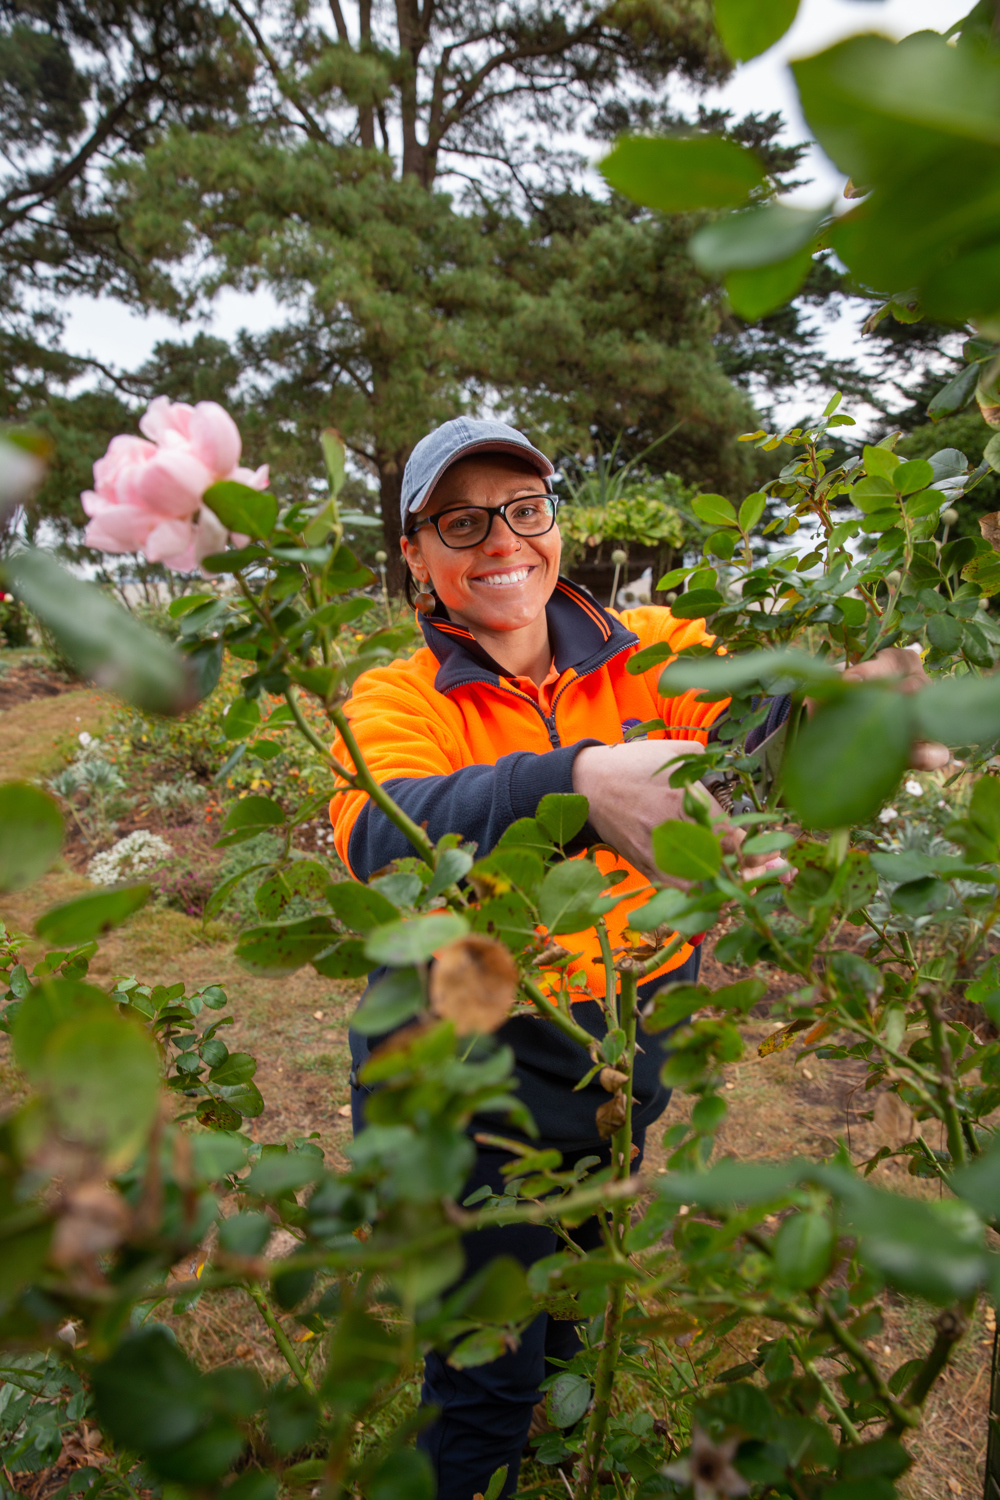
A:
(113, 334)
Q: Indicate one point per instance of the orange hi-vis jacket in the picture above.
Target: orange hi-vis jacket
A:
(464, 748)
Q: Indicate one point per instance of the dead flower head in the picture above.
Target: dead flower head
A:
(708, 1468)
(611, 1116)
(93, 1219)
(474, 984)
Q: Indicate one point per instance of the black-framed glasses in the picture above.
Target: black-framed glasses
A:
(468, 525)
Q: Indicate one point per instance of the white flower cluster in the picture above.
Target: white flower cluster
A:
(131, 855)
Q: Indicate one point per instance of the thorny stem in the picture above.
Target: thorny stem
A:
(950, 1325)
(552, 1013)
(902, 1414)
(279, 1335)
(946, 1067)
(607, 1359)
(610, 977)
(840, 1416)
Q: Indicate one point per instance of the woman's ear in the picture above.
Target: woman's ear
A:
(410, 548)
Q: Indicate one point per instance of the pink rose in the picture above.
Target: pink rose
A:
(148, 491)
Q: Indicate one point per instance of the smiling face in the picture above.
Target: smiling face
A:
(506, 581)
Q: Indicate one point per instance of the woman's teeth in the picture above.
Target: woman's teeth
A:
(517, 576)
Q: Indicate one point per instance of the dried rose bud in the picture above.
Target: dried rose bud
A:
(612, 1080)
(611, 1116)
(474, 984)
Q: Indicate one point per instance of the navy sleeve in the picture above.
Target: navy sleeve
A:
(478, 802)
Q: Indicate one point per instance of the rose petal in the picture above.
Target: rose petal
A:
(173, 483)
(168, 540)
(215, 437)
(256, 479)
(119, 528)
(165, 416)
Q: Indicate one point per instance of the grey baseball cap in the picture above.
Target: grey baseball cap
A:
(456, 439)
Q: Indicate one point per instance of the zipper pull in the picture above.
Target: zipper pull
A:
(550, 724)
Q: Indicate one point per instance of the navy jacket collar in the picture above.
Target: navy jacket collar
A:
(583, 635)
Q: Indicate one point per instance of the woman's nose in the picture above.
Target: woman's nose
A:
(500, 541)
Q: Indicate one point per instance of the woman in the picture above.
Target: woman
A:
(521, 690)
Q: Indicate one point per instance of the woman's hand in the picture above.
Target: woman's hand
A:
(630, 794)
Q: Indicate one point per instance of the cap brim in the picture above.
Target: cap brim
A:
(482, 445)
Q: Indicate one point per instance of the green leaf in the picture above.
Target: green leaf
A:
(716, 510)
(48, 1006)
(680, 175)
(765, 670)
(281, 947)
(803, 1250)
(880, 462)
(404, 1474)
(917, 897)
(452, 866)
(389, 1003)
(956, 395)
(75, 922)
(238, 1067)
(771, 234)
(959, 711)
(31, 833)
(188, 602)
(568, 1398)
(416, 941)
(102, 1074)
(748, 27)
(235, 561)
(480, 1348)
(104, 642)
(254, 812)
(913, 476)
(944, 632)
(148, 1393)
(244, 1098)
(282, 1173)
(984, 806)
(243, 509)
(334, 456)
(241, 718)
(359, 907)
(305, 880)
(686, 850)
(562, 815)
(751, 511)
(873, 493)
(755, 293)
(696, 604)
(849, 757)
(245, 1233)
(218, 897)
(570, 897)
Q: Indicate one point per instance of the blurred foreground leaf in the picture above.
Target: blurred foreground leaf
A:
(102, 640)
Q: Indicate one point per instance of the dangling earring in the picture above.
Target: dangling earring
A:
(425, 602)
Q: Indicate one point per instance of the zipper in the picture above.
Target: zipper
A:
(549, 720)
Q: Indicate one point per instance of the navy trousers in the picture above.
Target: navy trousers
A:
(485, 1412)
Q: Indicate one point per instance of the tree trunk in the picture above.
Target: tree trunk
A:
(366, 114)
(390, 474)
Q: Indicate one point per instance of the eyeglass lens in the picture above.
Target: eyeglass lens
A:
(467, 526)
